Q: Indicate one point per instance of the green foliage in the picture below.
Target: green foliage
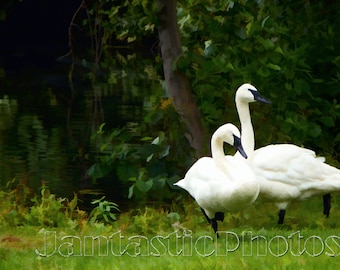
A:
(103, 212)
(144, 156)
(9, 211)
(51, 211)
(126, 27)
(291, 59)
(143, 163)
(21, 206)
(147, 221)
(139, 155)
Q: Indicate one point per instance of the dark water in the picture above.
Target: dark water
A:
(46, 124)
(45, 120)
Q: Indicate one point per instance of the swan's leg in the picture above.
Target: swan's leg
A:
(281, 214)
(326, 204)
(218, 216)
(213, 221)
(214, 226)
(208, 219)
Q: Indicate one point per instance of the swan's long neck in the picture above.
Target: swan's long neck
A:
(218, 155)
(247, 132)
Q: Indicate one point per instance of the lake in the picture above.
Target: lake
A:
(46, 123)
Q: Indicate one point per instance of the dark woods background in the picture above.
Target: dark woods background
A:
(67, 67)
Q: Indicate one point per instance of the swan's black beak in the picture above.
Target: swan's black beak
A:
(238, 145)
(259, 97)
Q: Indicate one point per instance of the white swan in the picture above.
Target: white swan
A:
(285, 172)
(220, 183)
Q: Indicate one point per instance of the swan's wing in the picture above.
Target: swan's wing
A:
(213, 189)
(330, 182)
(286, 163)
(203, 175)
(290, 171)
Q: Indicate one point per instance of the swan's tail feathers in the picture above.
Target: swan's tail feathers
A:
(180, 184)
(326, 204)
(328, 185)
(281, 215)
(321, 159)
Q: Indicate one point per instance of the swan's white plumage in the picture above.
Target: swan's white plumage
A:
(289, 162)
(285, 172)
(220, 184)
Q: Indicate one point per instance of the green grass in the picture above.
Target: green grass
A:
(148, 238)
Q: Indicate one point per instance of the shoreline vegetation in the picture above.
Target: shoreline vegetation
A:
(169, 238)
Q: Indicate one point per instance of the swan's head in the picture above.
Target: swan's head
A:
(248, 93)
(230, 134)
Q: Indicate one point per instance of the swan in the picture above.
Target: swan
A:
(218, 183)
(285, 172)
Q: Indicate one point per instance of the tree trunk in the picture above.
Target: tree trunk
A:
(177, 84)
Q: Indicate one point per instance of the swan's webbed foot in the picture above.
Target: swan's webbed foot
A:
(326, 204)
(281, 215)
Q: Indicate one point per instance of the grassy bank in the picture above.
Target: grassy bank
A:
(180, 238)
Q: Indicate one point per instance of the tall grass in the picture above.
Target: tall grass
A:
(180, 238)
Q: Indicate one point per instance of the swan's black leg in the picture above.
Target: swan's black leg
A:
(213, 222)
(326, 204)
(208, 219)
(281, 214)
(214, 226)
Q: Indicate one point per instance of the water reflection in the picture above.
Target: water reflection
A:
(29, 146)
(45, 129)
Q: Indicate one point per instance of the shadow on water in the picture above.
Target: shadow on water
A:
(45, 128)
